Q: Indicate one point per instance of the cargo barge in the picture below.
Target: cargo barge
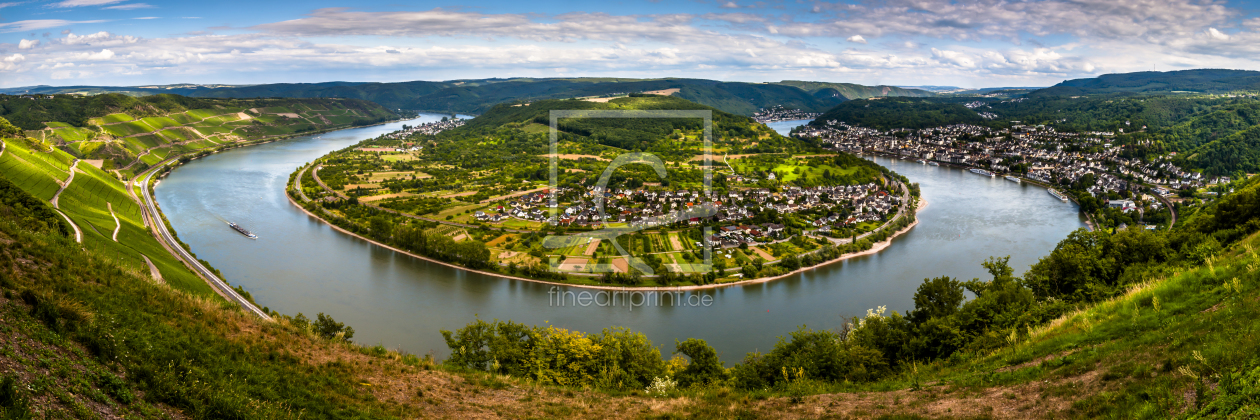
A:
(242, 230)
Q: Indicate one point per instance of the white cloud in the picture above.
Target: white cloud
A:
(98, 39)
(11, 62)
(81, 3)
(26, 44)
(102, 55)
(1217, 35)
(953, 57)
(934, 41)
(38, 24)
(147, 18)
(130, 6)
(729, 5)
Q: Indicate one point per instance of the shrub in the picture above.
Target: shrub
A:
(325, 326)
(705, 368)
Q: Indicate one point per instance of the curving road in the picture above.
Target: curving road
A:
(163, 234)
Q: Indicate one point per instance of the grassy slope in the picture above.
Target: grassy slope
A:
(85, 202)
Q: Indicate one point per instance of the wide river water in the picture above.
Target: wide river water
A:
(298, 264)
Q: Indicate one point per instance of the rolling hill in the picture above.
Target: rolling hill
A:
(476, 96)
(1188, 81)
(127, 134)
(889, 113)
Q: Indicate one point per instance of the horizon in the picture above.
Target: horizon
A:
(896, 43)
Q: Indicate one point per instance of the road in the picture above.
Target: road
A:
(64, 185)
(164, 235)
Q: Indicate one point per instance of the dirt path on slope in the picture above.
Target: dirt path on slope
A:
(153, 270)
(64, 185)
(117, 224)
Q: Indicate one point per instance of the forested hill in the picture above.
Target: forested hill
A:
(478, 96)
(1198, 81)
(853, 91)
(890, 113)
(628, 133)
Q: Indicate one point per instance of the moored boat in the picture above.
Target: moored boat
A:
(1011, 178)
(1058, 195)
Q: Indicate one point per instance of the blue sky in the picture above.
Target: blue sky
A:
(980, 43)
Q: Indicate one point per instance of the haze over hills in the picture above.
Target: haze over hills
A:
(1183, 81)
(477, 96)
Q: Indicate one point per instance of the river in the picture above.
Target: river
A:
(298, 264)
(785, 127)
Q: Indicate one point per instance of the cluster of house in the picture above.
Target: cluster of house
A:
(852, 204)
(779, 113)
(1048, 155)
(428, 128)
(734, 235)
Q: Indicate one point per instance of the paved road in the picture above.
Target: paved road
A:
(298, 183)
(165, 235)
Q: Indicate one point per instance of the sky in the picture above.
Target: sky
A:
(981, 43)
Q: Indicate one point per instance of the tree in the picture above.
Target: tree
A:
(705, 367)
(8, 130)
(381, 226)
(936, 298)
(325, 326)
(791, 263)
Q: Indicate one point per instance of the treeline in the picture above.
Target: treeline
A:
(944, 326)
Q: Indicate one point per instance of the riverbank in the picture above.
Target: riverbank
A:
(875, 248)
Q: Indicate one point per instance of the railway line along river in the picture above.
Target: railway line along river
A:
(299, 264)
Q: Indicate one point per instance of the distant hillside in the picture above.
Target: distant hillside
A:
(890, 113)
(627, 134)
(852, 91)
(479, 95)
(1199, 80)
(130, 133)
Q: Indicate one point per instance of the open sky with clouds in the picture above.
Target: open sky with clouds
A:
(973, 43)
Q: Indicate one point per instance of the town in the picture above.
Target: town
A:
(827, 209)
(1036, 153)
(779, 113)
(435, 127)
